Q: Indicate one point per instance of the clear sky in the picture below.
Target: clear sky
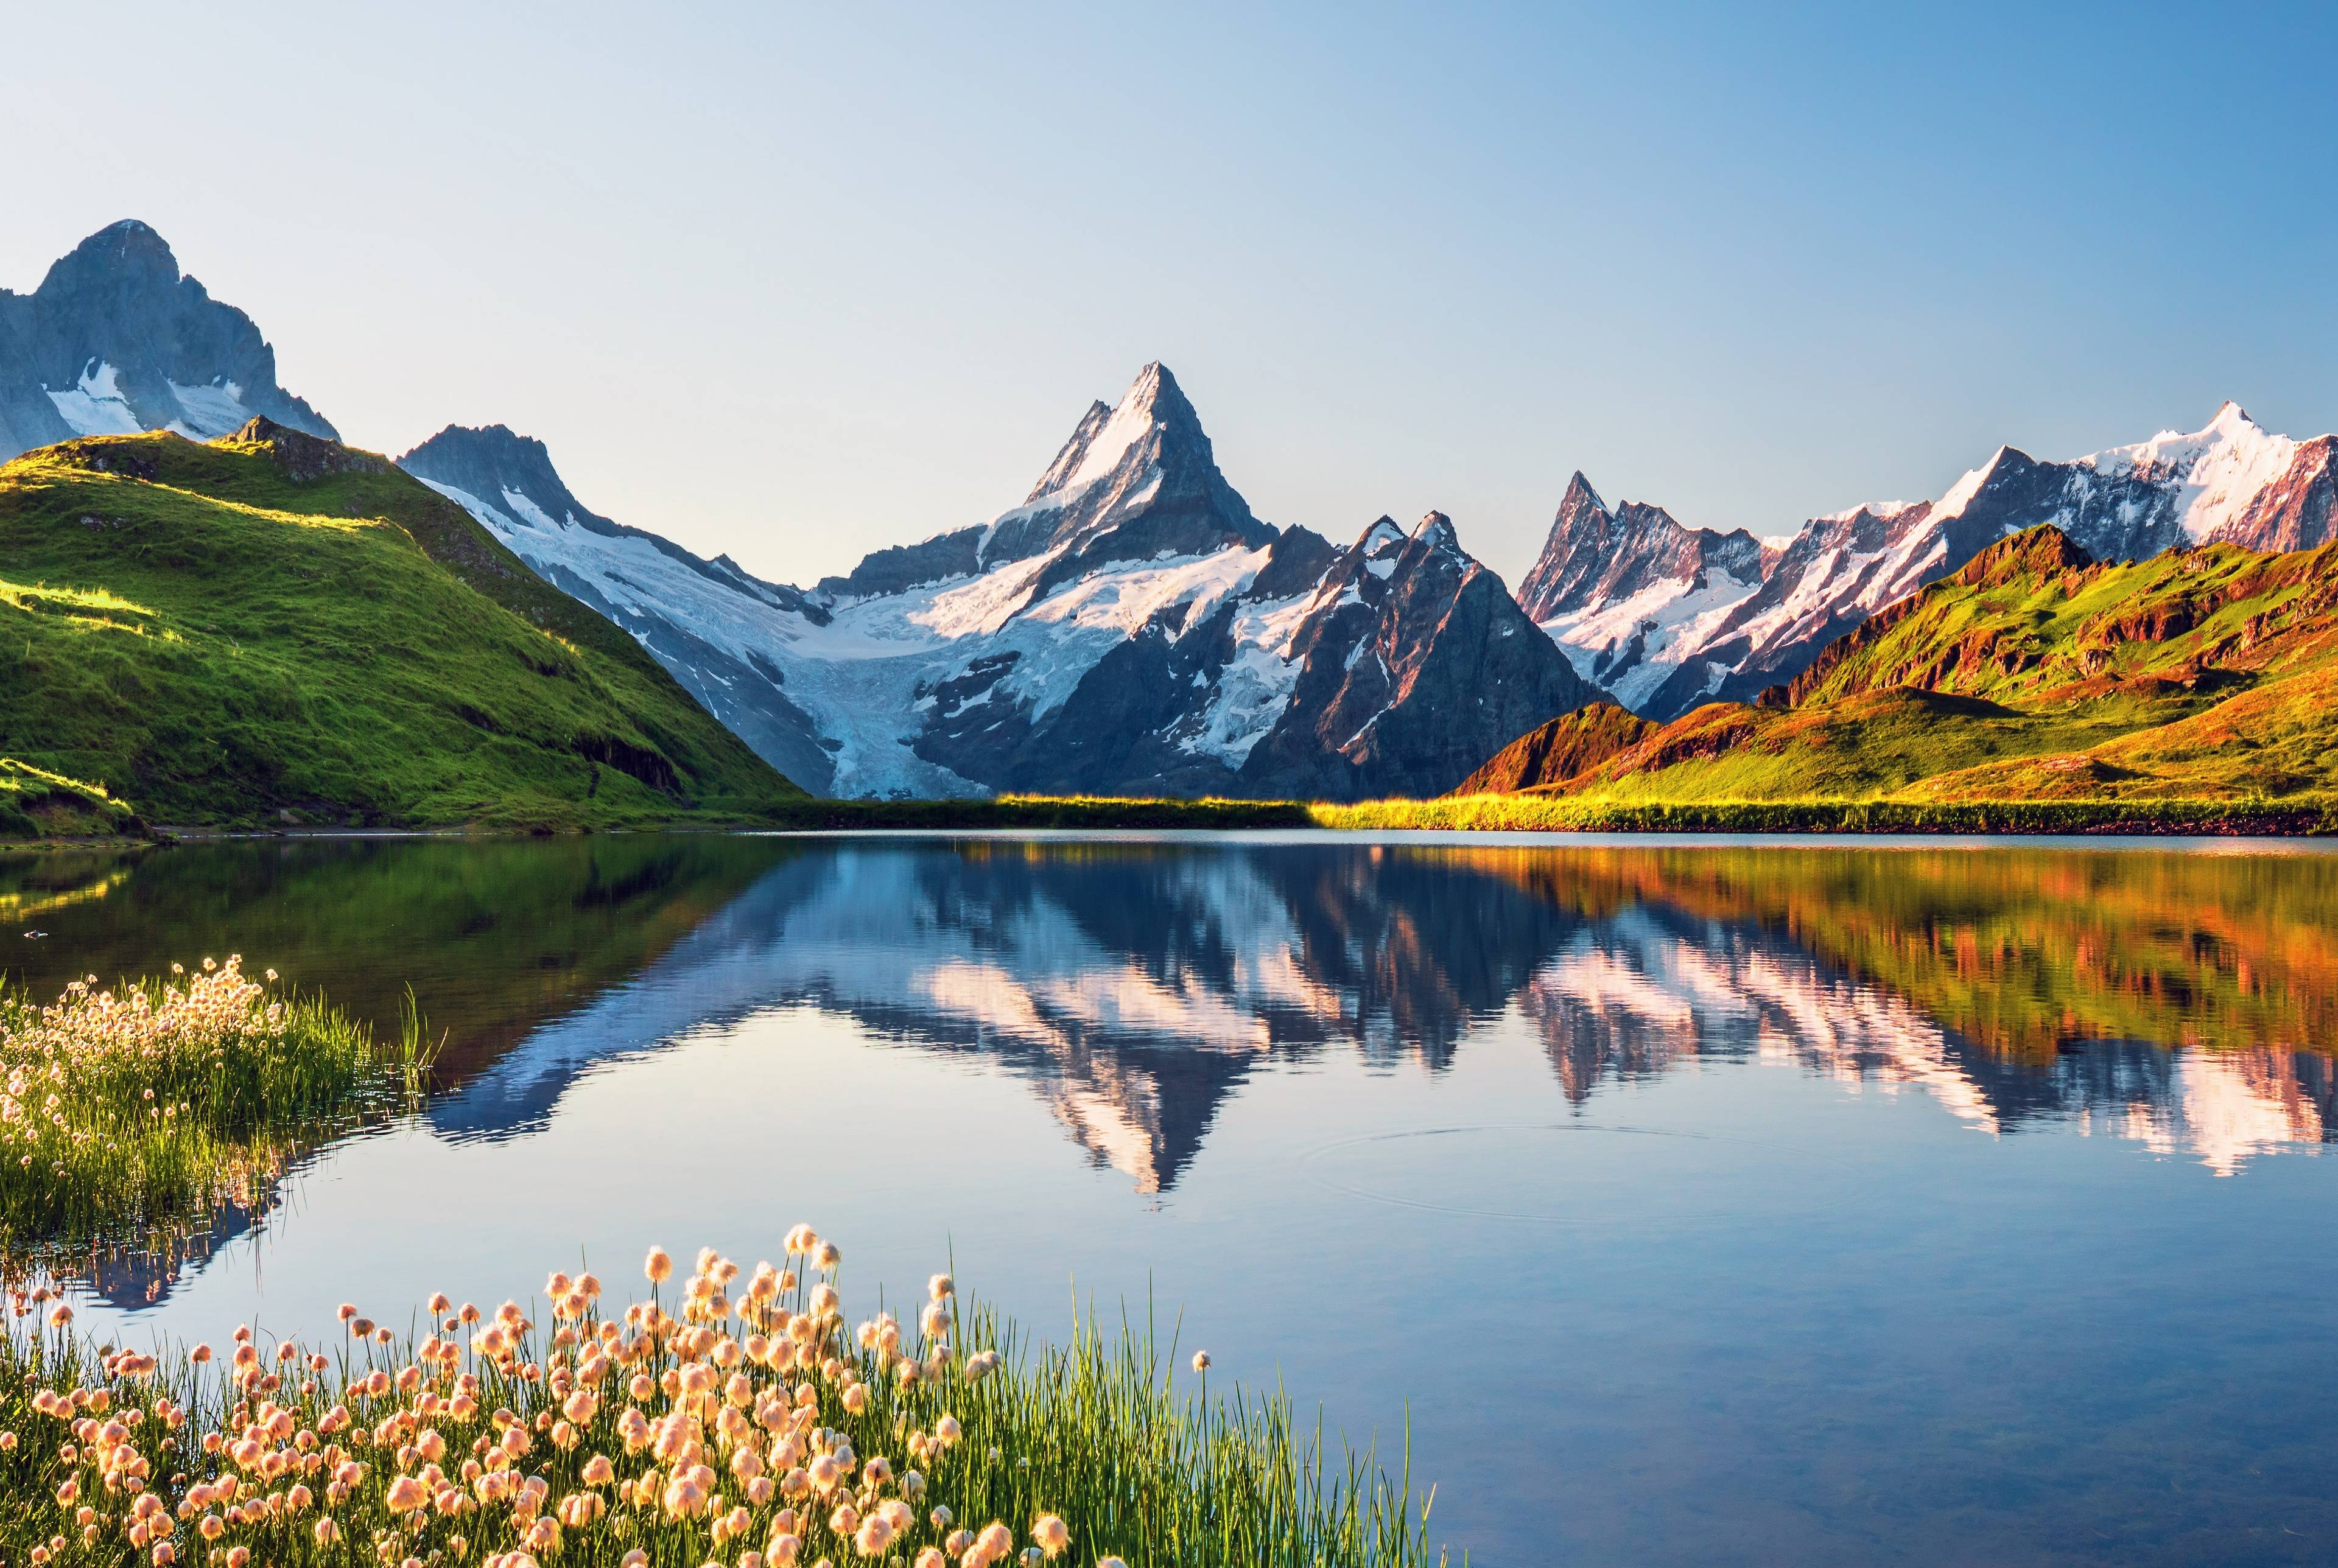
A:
(796, 283)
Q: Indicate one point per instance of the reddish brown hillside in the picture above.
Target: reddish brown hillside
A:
(1555, 752)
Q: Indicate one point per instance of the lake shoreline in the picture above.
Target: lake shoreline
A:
(1517, 813)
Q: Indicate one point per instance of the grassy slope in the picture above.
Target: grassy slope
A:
(219, 633)
(2201, 676)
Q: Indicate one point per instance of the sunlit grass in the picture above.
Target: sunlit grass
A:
(1537, 811)
(128, 1115)
(40, 803)
(699, 1427)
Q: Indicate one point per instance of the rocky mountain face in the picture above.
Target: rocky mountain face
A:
(1668, 625)
(1414, 665)
(2295, 512)
(116, 342)
(1598, 557)
(1609, 581)
(1130, 628)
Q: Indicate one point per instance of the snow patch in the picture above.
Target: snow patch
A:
(211, 411)
(96, 405)
(1255, 686)
(528, 511)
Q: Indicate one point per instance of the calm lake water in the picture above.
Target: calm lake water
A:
(1702, 1203)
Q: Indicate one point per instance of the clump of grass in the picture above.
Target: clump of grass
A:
(131, 1113)
(751, 1429)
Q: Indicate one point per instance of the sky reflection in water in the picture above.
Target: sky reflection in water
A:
(1705, 1204)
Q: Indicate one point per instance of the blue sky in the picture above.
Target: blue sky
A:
(796, 283)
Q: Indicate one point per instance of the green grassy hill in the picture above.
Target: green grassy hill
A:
(275, 630)
(2033, 674)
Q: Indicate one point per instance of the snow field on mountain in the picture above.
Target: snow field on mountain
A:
(1254, 687)
(2224, 467)
(866, 678)
(630, 574)
(211, 411)
(95, 406)
(1673, 615)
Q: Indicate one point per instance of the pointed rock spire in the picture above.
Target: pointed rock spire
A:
(1435, 531)
(1135, 479)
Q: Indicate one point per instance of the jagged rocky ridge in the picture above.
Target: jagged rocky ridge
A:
(1130, 628)
(1669, 617)
(1132, 625)
(116, 342)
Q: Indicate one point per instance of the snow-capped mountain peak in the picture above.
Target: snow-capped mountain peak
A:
(116, 340)
(2219, 469)
(1969, 485)
(1435, 532)
(1381, 537)
(1101, 444)
(1131, 628)
(1133, 480)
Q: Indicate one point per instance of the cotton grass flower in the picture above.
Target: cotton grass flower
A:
(777, 1432)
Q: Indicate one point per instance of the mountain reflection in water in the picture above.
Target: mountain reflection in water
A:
(2180, 1000)
(1134, 983)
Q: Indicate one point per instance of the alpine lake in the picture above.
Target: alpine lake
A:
(1680, 1200)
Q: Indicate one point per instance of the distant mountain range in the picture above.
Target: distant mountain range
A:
(1131, 626)
(1668, 617)
(2034, 673)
